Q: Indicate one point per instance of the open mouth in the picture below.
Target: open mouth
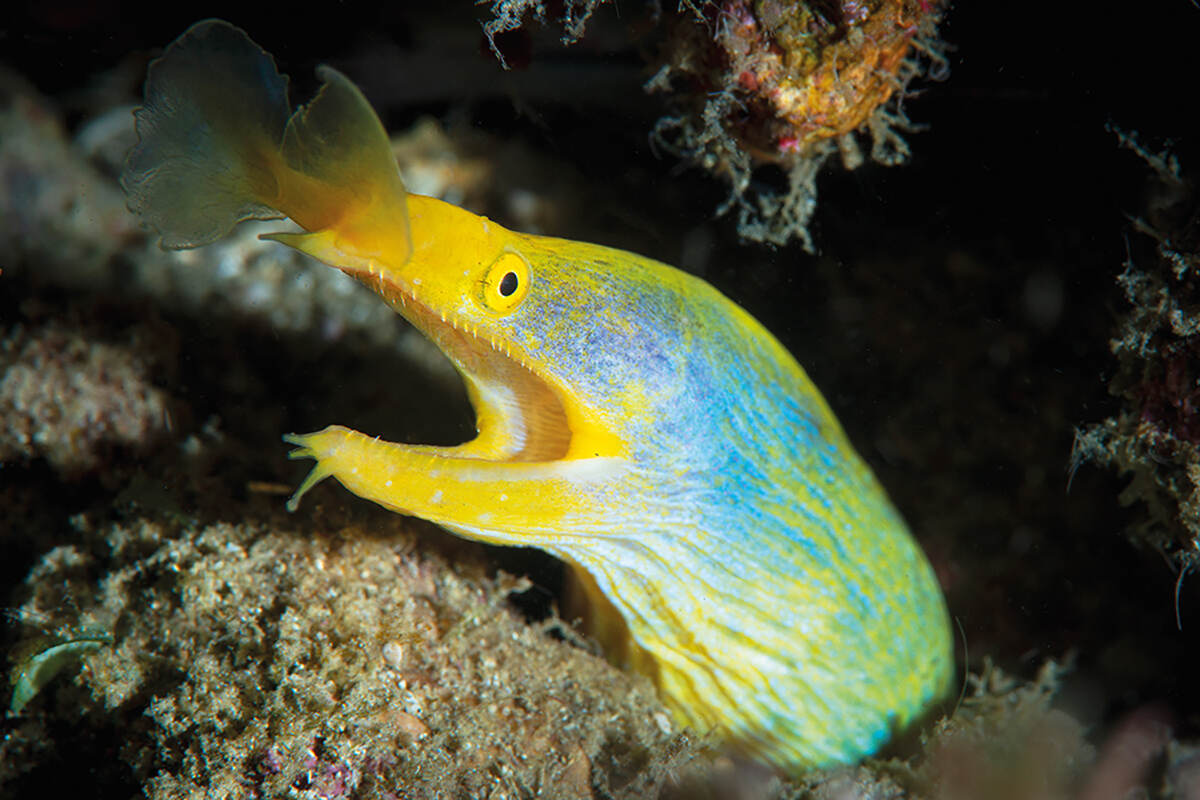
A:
(519, 413)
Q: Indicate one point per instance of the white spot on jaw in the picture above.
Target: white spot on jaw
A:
(436, 497)
(503, 497)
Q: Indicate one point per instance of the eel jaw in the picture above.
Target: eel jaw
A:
(521, 412)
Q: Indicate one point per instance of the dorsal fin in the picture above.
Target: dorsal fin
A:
(218, 144)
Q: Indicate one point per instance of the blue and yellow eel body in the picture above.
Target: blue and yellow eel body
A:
(631, 420)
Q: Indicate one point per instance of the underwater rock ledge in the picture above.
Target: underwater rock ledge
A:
(255, 659)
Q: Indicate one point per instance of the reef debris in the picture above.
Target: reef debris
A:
(42, 667)
(58, 212)
(762, 85)
(1155, 437)
(254, 659)
(765, 82)
(509, 15)
(1006, 740)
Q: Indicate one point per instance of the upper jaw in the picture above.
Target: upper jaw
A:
(521, 415)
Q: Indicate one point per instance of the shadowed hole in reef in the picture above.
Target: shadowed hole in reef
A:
(545, 572)
(82, 758)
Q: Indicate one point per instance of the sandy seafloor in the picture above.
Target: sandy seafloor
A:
(958, 318)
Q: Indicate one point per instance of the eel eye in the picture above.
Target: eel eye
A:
(509, 284)
(505, 283)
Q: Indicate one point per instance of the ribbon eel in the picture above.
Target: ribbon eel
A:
(632, 421)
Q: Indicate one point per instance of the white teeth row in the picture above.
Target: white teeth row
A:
(473, 331)
(499, 347)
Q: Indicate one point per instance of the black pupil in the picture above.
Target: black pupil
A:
(508, 284)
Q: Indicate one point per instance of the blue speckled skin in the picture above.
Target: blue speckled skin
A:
(750, 551)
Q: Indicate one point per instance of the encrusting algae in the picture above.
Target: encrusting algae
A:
(632, 421)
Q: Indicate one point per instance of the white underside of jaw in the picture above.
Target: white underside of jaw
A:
(504, 400)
